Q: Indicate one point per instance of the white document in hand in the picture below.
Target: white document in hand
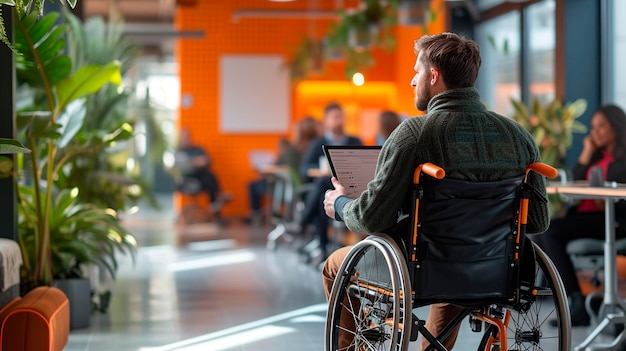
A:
(353, 166)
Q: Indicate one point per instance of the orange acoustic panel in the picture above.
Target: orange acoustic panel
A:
(230, 27)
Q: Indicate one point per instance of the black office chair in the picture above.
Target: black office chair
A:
(193, 212)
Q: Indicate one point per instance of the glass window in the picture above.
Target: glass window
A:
(498, 79)
(486, 4)
(617, 70)
(542, 37)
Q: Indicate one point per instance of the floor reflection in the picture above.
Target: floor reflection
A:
(220, 290)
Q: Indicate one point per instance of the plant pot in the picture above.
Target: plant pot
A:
(78, 292)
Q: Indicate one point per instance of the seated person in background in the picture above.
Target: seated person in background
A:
(452, 135)
(313, 213)
(604, 147)
(308, 129)
(388, 121)
(194, 165)
(289, 154)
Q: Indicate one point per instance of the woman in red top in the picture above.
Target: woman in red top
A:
(604, 147)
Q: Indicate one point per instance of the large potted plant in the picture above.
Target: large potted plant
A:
(552, 126)
(99, 170)
(56, 232)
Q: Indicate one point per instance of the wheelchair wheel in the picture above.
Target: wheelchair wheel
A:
(529, 326)
(370, 303)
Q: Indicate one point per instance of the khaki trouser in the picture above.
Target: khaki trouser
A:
(440, 314)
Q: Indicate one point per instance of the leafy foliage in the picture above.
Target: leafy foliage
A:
(552, 126)
(99, 167)
(9, 146)
(355, 34)
(24, 8)
(48, 128)
(79, 233)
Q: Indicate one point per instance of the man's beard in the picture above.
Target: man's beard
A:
(422, 100)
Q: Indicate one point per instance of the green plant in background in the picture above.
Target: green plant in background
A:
(552, 126)
(358, 31)
(99, 168)
(9, 146)
(12, 146)
(22, 8)
(80, 233)
(48, 126)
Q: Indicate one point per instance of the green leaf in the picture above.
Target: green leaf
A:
(578, 107)
(519, 107)
(124, 132)
(8, 2)
(51, 47)
(71, 120)
(40, 43)
(58, 69)
(87, 80)
(579, 127)
(538, 135)
(42, 28)
(11, 146)
(6, 166)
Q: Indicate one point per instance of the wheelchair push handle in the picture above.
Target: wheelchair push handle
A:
(430, 169)
(543, 169)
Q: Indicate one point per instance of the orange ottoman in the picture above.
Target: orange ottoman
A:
(38, 321)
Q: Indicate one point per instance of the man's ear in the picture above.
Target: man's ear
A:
(434, 76)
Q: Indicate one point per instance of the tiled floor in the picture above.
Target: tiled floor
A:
(223, 291)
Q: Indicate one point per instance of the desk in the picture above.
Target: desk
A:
(613, 308)
(318, 172)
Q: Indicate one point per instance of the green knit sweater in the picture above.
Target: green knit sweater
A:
(459, 135)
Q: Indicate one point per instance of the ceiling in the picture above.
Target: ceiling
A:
(143, 11)
(151, 22)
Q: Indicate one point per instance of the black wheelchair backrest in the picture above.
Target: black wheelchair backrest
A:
(466, 238)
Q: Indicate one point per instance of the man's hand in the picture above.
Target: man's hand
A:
(331, 196)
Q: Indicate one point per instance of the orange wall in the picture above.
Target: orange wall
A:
(199, 76)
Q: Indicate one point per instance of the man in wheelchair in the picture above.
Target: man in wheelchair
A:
(458, 134)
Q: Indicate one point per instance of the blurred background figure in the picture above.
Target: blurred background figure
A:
(313, 213)
(195, 175)
(388, 121)
(603, 148)
(289, 155)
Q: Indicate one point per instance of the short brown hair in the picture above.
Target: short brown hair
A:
(331, 106)
(456, 58)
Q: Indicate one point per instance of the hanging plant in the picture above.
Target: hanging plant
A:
(360, 30)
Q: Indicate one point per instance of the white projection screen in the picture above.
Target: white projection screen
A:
(254, 94)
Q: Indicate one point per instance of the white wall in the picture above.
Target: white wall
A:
(254, 94)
